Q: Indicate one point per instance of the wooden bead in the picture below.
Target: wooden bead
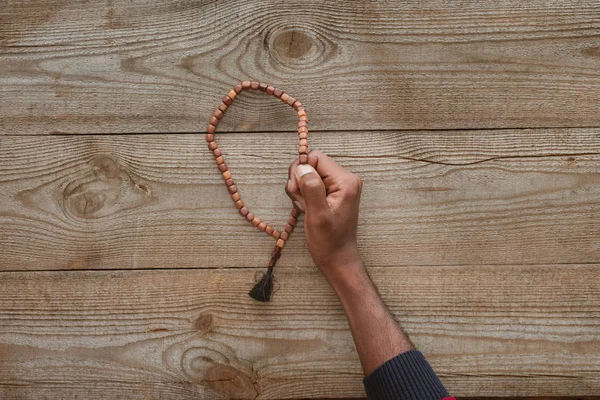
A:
(218, 114)
(301, 113)
(232, 189)
(222, 167)
(239, 204)
(227, 100)
(217, 152)
(262, 226)
(211, 128)
(302, 149)
(284, 236)
(276, 234)
(214, 120)
(303, 142)
(302, 135)
(277, 92)
(262, 87)
(254, 85)
(229, 182)
(295, 213)
(303, 129)
(269, 230)
(288, 229)
(302, 123)
(244, 211)
(291, 101)
(246, 84)
(255, 221)
(249, 217)
(223, 107)
(210, 137)
(284, 97)
(280, 243)
(237, 89)
(303, 158)
(220, 160)
(235, 196)
(212, 145)
(232, 94)
(226, 174)
(292, 221)
(297, 105)
(303, 119)
(270, 89)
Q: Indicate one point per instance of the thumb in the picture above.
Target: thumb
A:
(311, 187)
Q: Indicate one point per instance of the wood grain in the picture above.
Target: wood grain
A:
(430, 198)
(179, 334)
(161, 66)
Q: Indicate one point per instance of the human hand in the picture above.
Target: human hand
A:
(329, 196)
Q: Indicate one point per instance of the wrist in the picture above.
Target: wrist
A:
(354, 287)
(346, 276)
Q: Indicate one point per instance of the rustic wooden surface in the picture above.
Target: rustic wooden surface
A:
(159, 66)
(124, 267)
(435, 197)
(518, 330)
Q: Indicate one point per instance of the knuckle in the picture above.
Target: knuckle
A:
(352, 191)
(354, 184)
(288, 192)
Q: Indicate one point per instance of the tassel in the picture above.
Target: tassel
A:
(263, 289)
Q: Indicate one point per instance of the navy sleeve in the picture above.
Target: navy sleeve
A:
(406, 376)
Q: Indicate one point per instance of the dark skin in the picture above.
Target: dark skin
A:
(329, 196)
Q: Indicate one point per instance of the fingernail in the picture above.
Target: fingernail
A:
(303, 169)
(299, 206)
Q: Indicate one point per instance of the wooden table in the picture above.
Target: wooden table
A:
(125, 267)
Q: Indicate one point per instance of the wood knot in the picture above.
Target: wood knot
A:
(294, 47)
(230, 382)
(292, 43)
(86, 203)
(204, 323)
(219, 370)
(105, 168)
(104, 189)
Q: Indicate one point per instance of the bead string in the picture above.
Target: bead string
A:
(263, 288)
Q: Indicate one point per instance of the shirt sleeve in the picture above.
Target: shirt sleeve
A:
(406, 376)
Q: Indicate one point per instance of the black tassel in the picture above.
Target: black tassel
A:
(263, 289)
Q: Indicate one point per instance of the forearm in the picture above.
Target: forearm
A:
(376, 334)
(330, 196)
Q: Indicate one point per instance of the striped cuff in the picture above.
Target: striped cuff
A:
(408, 376)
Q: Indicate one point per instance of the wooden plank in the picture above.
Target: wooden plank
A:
(430, 198)
(179, 334)
(161, 66)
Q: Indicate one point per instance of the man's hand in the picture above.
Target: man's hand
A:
(329, 195)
